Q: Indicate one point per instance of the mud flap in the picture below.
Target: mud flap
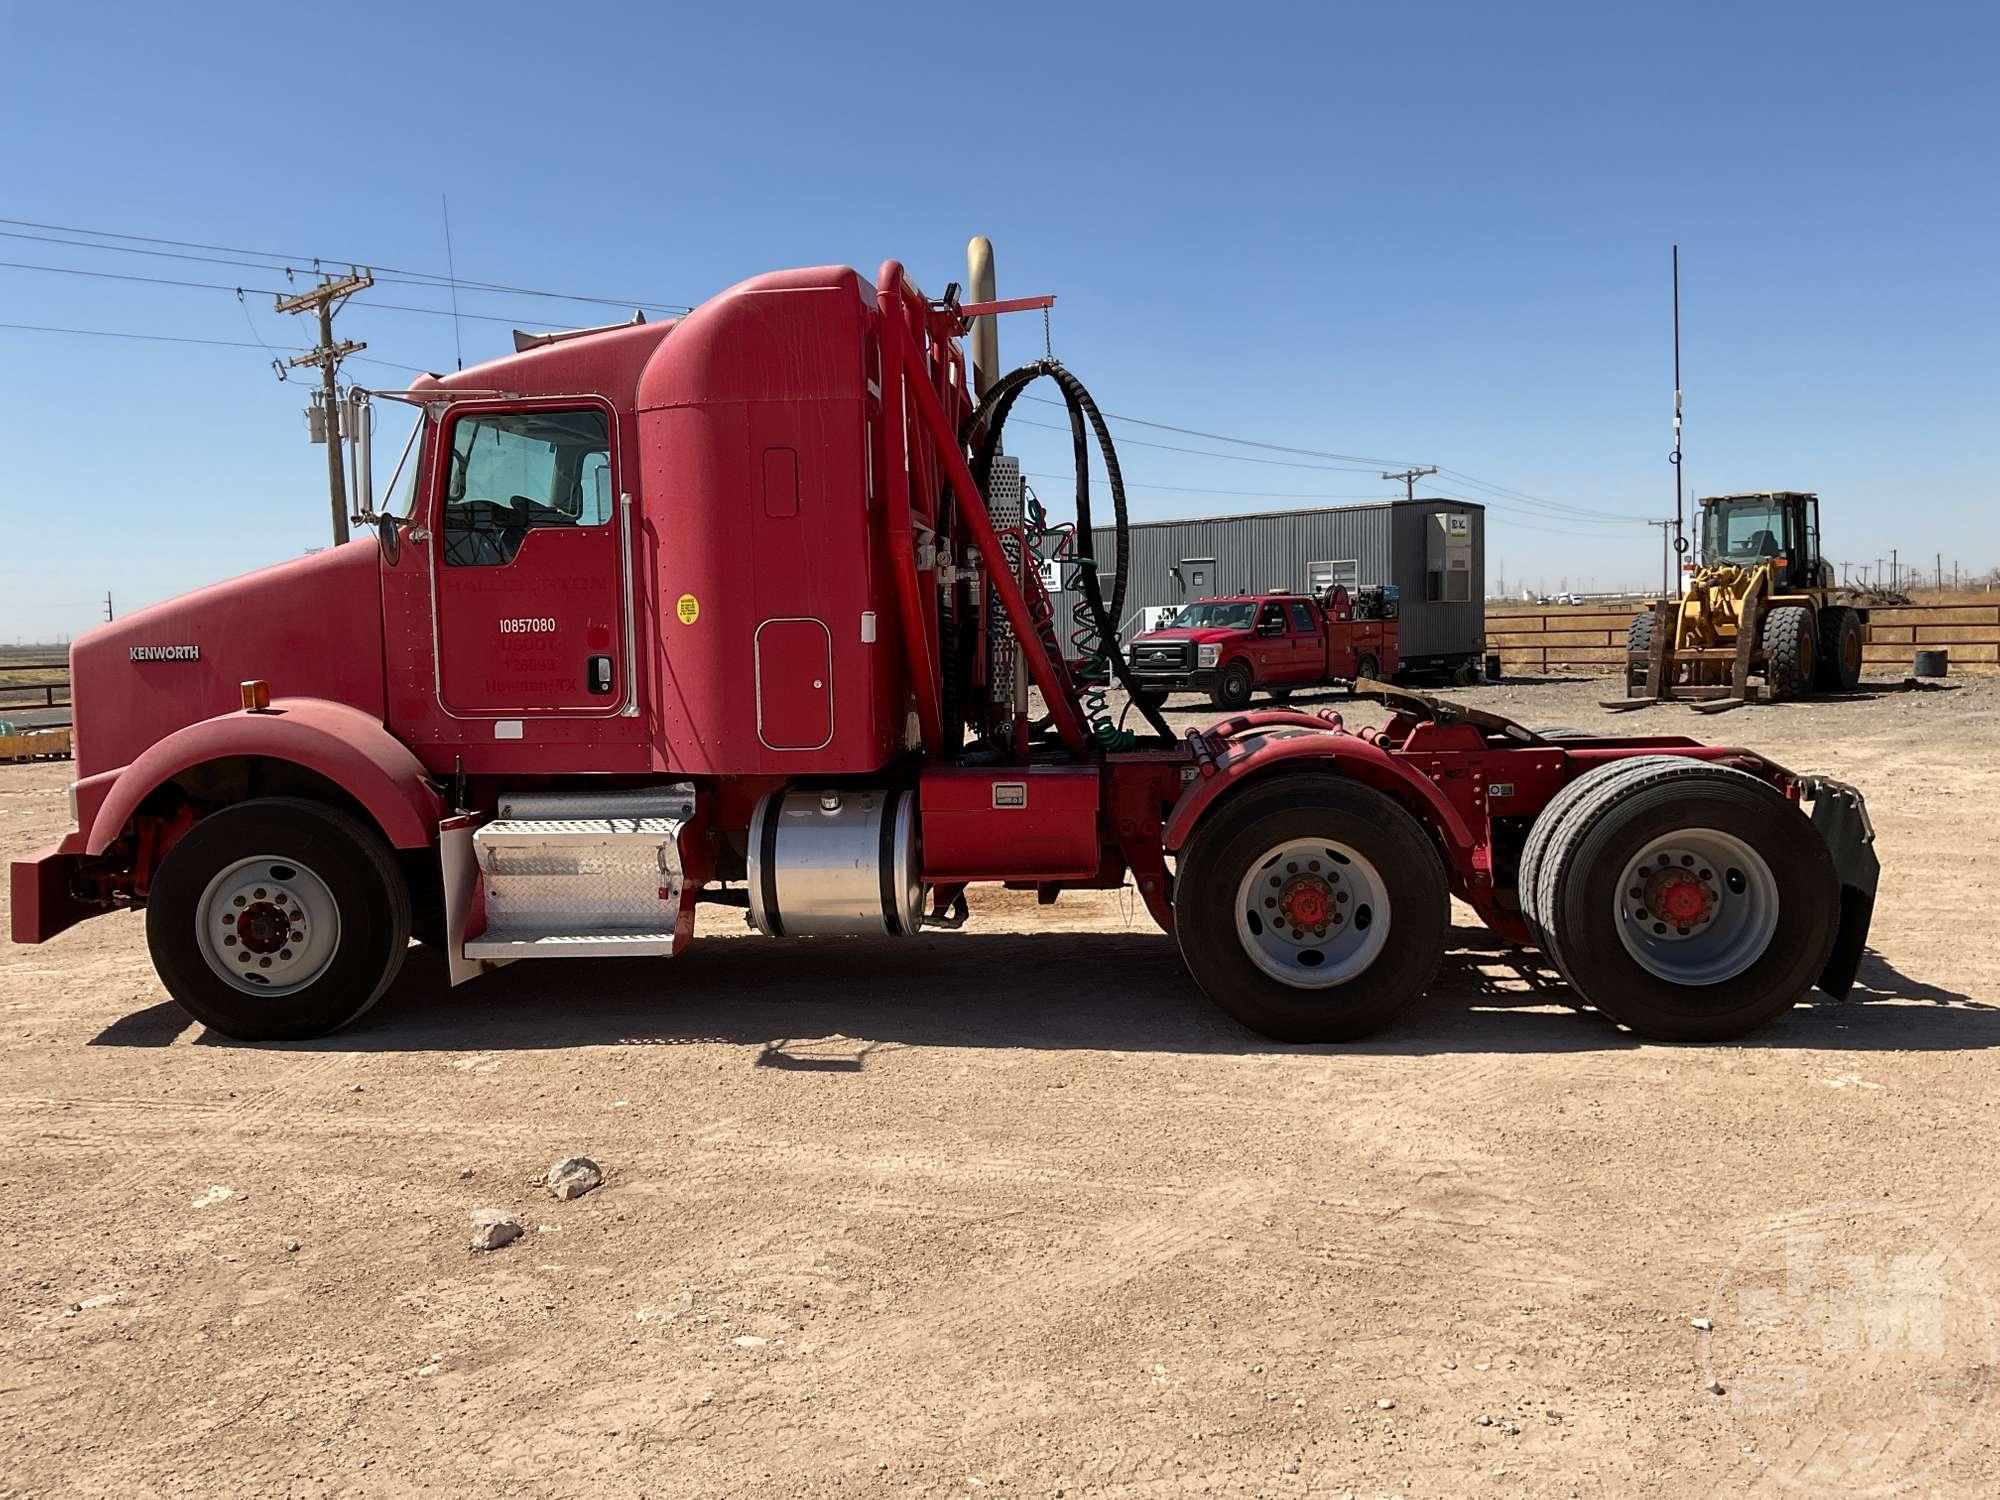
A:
(464, 899)
(1841, 816)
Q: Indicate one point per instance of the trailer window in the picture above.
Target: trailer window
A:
(511, 472)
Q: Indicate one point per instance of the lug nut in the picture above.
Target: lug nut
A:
(230, 941)
(239, 901)
(243, 957)
(263, 963)
(287, 953)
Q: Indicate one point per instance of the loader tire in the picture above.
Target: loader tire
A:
(1687, 901)
(1840, 641)
(1790, 657)
(1639, 644)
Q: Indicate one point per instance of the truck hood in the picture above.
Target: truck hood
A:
(1198, 633)
(311, 627)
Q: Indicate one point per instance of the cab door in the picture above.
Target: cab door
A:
(529, 579)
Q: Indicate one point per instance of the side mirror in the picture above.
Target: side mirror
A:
(389, 538)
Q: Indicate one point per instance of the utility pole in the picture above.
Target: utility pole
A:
(1408, 479)
(1895, 570)
(107, 606)
(1667, 529)
(1940, 572)
(326, 356)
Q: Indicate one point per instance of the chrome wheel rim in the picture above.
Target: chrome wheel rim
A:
(1312, 913)
(1696, 907)
(267, 925)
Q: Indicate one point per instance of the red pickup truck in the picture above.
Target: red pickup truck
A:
(1230, 647)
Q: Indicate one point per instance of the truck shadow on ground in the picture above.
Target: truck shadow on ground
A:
(1054, 990)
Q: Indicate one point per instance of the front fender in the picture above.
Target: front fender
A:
(346, 746)
(1254, 755)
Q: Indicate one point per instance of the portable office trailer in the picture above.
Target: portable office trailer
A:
(1433, 551)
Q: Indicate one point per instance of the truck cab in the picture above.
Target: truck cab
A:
(1231, 646)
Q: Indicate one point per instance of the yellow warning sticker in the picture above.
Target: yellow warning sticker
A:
(688, 608)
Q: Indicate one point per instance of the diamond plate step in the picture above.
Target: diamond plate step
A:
(582, 875)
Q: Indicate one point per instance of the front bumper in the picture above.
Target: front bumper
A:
(1185, 680)
(41, 890)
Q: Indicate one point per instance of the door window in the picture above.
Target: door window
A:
(510, 473)
(1302, 620)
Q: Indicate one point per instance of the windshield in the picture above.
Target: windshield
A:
(1742, 530)
(1220, 614)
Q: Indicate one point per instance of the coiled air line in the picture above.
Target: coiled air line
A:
(1095, 633)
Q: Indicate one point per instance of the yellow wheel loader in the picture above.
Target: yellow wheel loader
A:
(1760, 602)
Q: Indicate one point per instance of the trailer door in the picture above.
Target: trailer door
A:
(528, 579)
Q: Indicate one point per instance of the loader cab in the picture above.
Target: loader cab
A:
(1780, 527)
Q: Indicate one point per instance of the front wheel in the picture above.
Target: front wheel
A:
(1233, 686)
(1310, 908)
(278, 919)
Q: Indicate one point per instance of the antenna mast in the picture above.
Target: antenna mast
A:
(1680, 536)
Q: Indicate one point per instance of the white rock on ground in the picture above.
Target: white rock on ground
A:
(494, 1227)
(574, 1176)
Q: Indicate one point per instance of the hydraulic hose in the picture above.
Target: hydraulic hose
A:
(1095, 633)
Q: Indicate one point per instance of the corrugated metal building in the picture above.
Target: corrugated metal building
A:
(1433, 551)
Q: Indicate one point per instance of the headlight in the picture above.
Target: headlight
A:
(1208, 655)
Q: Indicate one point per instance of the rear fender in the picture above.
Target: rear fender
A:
(1256, 755)
(1841, 816)
(341, 743)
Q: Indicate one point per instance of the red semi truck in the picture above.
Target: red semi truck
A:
(716, 611)
(1234, 646)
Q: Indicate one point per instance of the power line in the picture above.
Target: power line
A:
(519, 321)
(1241, 458)
(1356, 463)
(1223, 437)
(310, 264)
(169, 338)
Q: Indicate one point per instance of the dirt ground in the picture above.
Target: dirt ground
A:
(1014, 1211)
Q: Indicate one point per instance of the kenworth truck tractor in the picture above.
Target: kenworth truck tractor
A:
(740, 609)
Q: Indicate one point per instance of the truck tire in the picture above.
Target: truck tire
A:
(1840, 641)
(1687, 901)
(1549, 826)
(1639, 634)
(1284, 902)
(1150, 697)
(1366, 666)
(1790, 660)
(1233, 686)
(1465, 674)
(278, 919)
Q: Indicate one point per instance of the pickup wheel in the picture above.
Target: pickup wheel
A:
(1233, 686)
(1311, 909)
(278, 919)
(1690, 902)
(1366, 666)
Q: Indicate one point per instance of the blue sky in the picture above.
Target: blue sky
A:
(1426, 233)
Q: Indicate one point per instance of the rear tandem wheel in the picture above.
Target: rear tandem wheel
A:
(1687, 901)
(1310, 908)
